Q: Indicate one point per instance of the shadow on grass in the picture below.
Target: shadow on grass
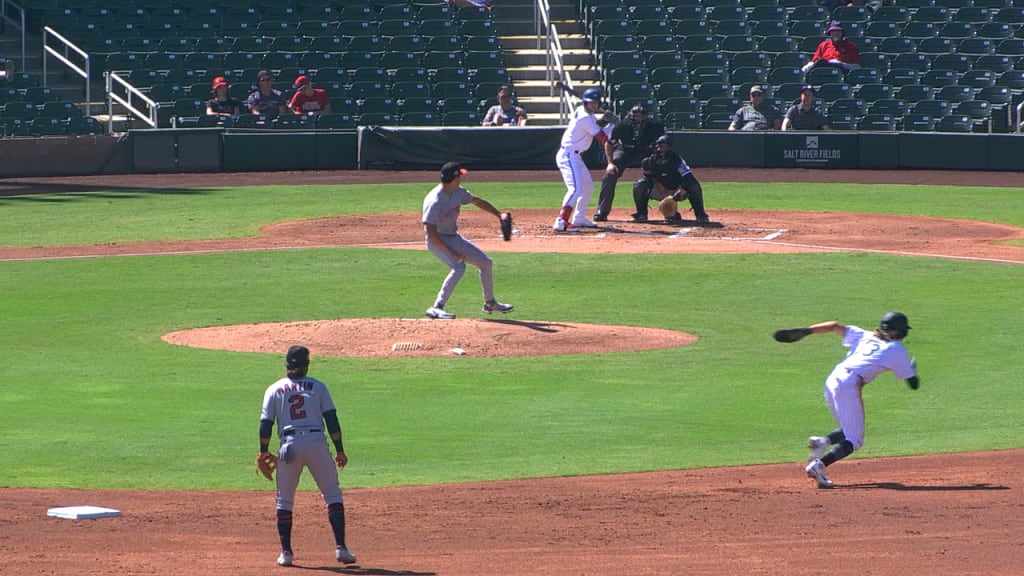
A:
(29, 191)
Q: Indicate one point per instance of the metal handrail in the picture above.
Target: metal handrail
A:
(555, 67)
(1020, 119)
(19, 23)
(84, 70)
(150, 117)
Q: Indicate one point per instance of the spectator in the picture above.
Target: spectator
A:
(757, 114)
(804, 116)
(836, 51)
(309, 100)
(6, 68)
(504, 113)
(221, 104)
(468, 3)
(266, 100)
(631, 141)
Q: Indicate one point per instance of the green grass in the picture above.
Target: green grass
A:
(94, 399)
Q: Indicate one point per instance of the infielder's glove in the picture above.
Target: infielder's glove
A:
(668, 207)
(266, 463)
(506, 226)
(787, 335)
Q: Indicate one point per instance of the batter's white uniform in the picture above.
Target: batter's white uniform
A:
(442, 210)
(298, 406)
(577, 139)
(869, 356)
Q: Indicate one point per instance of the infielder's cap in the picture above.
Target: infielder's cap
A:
(808, 88)
(297, 357)
(219, 81)
(664, 139)
(834, 26)
(591, 95)
(450, 170)
(301, 81)
(756, 90)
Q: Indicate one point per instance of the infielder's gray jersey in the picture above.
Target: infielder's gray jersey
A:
(442, 210)
(297, 404)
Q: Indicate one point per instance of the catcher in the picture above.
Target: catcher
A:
(667, 179)
(302, 407)
(870, 355)
(441, 209)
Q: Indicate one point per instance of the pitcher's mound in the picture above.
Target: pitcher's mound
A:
(416, 337)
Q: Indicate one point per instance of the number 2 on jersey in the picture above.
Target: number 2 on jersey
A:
(296, 405)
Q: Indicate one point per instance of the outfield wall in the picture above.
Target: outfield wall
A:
(218, 150)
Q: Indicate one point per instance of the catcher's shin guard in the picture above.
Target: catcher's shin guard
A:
(641, 195)
(695, 194)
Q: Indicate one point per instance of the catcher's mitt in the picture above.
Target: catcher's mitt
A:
(506, 226)
(787, 335)
(266, 463)
(668, 207)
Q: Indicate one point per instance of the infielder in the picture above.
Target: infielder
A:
(870, 355)
(441, 209)
(302, 406)
(584, 127)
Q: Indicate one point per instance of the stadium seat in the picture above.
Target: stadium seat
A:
(872, 92)
(852, 106)
(954, 123)
(717, 120)
(934, 108)
(667, 90)
(954, 93)
(461, 118)
(877, 123)
(955, 62)
(681, 121)
(892, 106)
(863, 76)
(917, 123)
(84, 125)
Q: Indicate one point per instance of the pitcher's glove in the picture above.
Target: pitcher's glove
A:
(266, 463)
(506, 226)
(787, 335)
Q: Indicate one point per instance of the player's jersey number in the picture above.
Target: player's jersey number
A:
(296, 406)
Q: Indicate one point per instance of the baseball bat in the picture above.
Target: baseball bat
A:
(567, 89)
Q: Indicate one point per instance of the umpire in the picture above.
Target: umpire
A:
(631, 141)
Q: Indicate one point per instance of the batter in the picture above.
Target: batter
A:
(581, 132)
(302, 407)
(870, 355)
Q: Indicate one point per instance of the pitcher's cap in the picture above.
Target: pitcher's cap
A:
(450, 170)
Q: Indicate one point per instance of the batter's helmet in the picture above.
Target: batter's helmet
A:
(591, 95)
(894, 322)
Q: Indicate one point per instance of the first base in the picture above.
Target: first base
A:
(83, 512)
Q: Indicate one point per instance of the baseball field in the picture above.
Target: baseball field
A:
(572, 436)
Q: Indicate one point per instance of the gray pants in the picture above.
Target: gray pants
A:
(470, 255)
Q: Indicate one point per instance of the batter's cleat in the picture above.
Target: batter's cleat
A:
(439, 313)
(563, 226)
(676, 220)
(638, 218)
(816, 470)
(598, 217)
(584, 223)
(495, 306)
(817, 446)
(344, 556)
(285, 559)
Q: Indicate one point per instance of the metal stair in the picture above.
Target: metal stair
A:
(527, 63)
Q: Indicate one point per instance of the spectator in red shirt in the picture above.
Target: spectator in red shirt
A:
(309, 100)
(836, 51)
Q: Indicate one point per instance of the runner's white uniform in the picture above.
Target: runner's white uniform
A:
(576, 140)
(869, 356)
(298, 406)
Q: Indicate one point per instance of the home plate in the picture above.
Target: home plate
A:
(83, 512)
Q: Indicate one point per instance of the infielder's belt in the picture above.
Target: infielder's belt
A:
(294, 431)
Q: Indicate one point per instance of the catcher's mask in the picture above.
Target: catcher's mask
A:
(896, 322)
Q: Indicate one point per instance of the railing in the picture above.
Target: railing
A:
(1020, 118)
(18, 21)
(64, 53)
(556, 71)
(149, 115)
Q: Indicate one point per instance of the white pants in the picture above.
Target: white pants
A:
(843, 396)
(579, 184)
(470, 254)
